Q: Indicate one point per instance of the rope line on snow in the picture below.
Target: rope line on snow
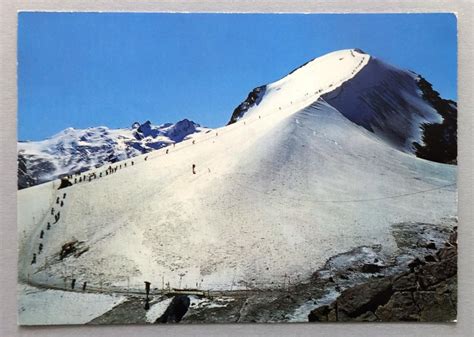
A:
(352, 200)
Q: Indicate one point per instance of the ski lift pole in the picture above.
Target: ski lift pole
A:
(147, 290)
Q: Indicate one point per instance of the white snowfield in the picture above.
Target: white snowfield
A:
(45, 307)
(275, 194)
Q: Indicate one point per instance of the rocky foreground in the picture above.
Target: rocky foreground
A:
(427, 292)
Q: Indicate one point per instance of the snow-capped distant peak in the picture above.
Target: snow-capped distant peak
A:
(72, 150)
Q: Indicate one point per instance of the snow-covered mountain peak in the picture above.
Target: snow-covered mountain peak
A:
(305, 84)
(396, 105)
(328, 67)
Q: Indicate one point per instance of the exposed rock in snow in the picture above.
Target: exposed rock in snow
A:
(427, 292)
(254, 98)
(157, 310)
(439, 141)
(175, 311)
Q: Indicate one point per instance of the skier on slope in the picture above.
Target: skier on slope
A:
(194, 168)
(56, 217)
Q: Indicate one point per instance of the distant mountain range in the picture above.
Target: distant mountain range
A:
(76, 150)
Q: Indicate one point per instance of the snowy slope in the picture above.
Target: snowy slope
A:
(386, 101)
(305, 84)
(292, 182)
(396, 105)
(77, 150)
(54, 307)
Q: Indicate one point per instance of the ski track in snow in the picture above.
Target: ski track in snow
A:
(252, 215)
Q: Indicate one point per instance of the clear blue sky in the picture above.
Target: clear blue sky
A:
(89, 69)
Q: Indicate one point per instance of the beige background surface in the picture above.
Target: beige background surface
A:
(8, 269)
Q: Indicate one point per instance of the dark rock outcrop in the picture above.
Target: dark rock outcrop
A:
(30, 170)
(254, 97)
(439, 140)
(371, 268)
(24, 178)
(364, 298)
(64, 183)
(427, 292)
(176, 310)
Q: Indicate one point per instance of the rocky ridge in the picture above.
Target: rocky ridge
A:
(426, 292)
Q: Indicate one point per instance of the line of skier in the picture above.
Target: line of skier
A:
(57, 217)
(113, 169)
